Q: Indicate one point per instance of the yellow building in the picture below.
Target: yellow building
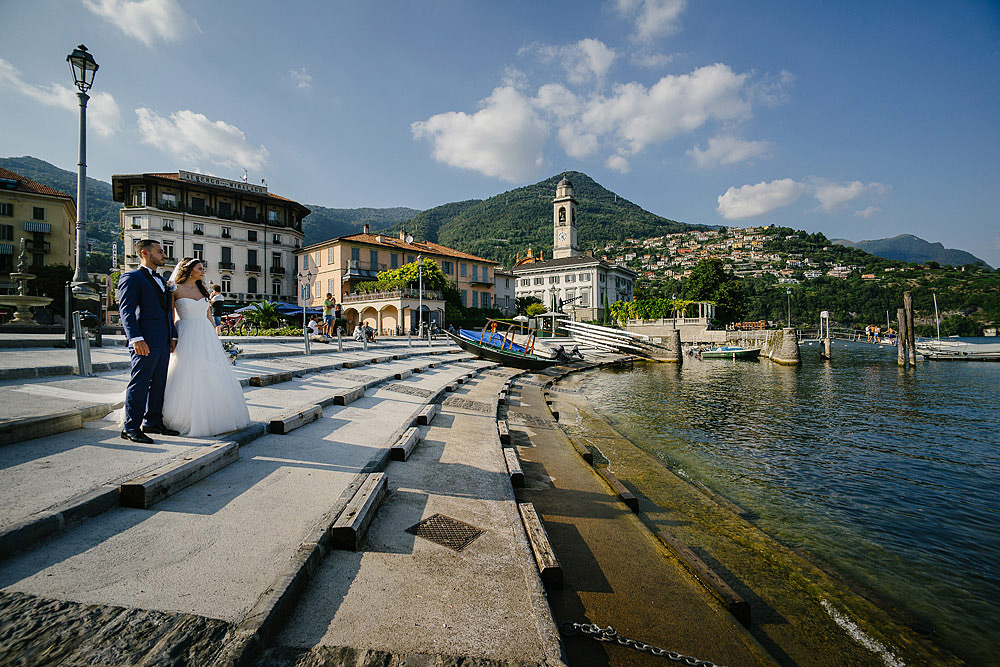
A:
(339, 264)
(44, 218)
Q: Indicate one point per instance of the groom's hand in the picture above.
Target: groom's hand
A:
(140, 348)
(173, 345)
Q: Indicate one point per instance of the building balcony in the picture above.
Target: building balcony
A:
(229, 266)
(480, 281)
(277, 270)
(391, 295)
(252, 268)
(37, 246)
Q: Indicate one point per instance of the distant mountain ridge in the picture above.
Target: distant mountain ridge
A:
(910, 248)
(507, 224)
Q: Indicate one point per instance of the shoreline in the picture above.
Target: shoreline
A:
(801, 608)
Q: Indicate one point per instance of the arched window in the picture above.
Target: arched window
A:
(252, 285)
(562, 214)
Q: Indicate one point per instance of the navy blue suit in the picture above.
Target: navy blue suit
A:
(146, 312)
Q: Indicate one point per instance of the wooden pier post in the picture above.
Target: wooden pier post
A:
(911, 337)
(901, 337)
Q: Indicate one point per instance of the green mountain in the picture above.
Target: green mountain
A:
(502, 226)
(910, 248)
(327, 223)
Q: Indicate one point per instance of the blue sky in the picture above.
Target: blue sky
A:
(861, 120)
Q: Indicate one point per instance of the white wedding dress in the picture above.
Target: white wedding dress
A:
(203, 396)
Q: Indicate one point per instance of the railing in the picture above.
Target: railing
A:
(277, 270)
(37, 246)
(227, 265)
(389, 295)
(668, 321)
(209, 212)
(365, 266)
(252, 268)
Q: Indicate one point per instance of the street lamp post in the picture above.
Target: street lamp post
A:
(420, 295)
(788, 292)
(307, 276)
(83, 66)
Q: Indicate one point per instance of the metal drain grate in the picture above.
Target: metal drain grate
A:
(446, 531)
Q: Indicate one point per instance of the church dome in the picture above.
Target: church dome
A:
(564, 183)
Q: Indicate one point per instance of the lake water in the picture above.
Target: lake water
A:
(890, 476)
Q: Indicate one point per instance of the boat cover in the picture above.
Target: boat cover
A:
(496, 340)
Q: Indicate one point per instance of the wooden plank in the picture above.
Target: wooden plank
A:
(347, 396)
(402, 375)
(451, 387)
(545, 556)
(623, 494)
(736, 605)
(349, 528)
(426, 416)
(502, 398)
(146, 490)
(513, 466)
(405, 445)
(287, 422)
(270, 378)
(504, 429)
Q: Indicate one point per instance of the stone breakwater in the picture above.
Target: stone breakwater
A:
(780, 346)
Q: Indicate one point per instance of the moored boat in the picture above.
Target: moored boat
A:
(500, 347)
(730, 352)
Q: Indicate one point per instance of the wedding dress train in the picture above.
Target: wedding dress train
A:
(203, 396)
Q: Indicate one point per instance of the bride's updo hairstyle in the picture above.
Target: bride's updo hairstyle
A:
(183, 271)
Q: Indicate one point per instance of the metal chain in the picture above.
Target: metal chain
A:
(609, 634)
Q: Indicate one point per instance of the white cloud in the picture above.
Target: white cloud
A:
(585, 60)
(677, 103)
(192, 137)
(868, 212)
(651, 60)
(146, 20)
(504, 139)
(515, 78)
(103, 115)
(653, 18)
(618, 163)
(752, 200)
(831, 195)
(728, 150)
(301, 78)
(771, 91)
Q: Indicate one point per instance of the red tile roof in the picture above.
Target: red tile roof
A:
(28, 185)
(395, 242)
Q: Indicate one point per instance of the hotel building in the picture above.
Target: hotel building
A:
(246, 236)
(339, 264)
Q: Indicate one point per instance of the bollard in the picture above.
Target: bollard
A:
(340, 341)
(83, 366)
(901, 337)
(409, 343)
(305, 338)
(364, 341)
(911, 339)
(67, 313)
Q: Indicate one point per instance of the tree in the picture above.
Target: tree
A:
(407, 276)
(522, 303)
(710, 282)
(535, 309)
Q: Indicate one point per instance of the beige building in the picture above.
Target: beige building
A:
(45, 219)
(246, 236)
(339, 264)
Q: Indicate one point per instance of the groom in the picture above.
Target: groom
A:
(145, 304)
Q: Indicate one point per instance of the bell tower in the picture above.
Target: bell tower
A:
(564, 221)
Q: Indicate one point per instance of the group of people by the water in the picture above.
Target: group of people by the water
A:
(873, 333)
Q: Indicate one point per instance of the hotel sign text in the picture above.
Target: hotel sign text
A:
(221, 182)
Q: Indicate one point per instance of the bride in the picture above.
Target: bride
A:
(203, 396)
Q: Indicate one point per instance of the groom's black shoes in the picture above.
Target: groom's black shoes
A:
(136, 435)
(161, 429)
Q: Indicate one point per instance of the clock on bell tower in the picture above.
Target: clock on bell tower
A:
(564, 221)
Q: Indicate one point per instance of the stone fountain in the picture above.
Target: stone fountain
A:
(22, 301)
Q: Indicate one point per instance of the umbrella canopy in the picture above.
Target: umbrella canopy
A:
(283, 308)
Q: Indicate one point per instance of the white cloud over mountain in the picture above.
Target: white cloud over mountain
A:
(831, 195)
(582, 61)
(728, 150)
(751, 200)
(146, 20)
(504, 139)
(103, 115)
(653, 18)
(194, 138)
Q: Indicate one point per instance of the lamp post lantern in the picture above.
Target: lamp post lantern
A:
(306, 274)
(84, 67)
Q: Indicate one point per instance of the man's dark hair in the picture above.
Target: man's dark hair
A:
(144, 244)
(217, 288)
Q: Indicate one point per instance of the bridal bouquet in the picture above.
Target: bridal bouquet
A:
(231, 350)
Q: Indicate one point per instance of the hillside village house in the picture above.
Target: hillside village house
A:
(246, 236)
(44, 218)
(572, 282)
(339, 264)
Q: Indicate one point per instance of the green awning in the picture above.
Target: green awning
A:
(37, 227)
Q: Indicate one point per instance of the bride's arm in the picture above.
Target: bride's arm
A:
(208, 314)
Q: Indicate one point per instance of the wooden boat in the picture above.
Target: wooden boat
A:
(730, 352)
(499, 346)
